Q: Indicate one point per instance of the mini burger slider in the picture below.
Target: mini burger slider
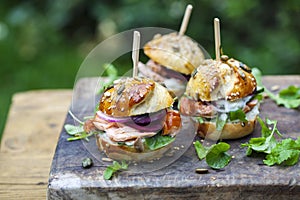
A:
(221, 95)
(133, 114)
(173, 57)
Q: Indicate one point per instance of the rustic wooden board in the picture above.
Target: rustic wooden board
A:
(29, 140)
(243, 178)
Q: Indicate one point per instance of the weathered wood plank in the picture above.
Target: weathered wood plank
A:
(29, 139)
(243, 178)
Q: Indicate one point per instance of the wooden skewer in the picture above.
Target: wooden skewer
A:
(135, 52)
(186, 19)
(217, 38)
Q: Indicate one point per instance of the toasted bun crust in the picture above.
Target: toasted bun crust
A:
(177, 52)
(208, 130)
(134, 96)
(213, 80)
(117, 152)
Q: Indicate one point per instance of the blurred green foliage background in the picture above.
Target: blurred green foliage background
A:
(42, 43)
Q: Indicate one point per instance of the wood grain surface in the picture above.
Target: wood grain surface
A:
(29, 140)
(243, 178)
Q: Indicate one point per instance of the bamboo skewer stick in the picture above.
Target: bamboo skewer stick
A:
(186, 19)
(135, 52)
(217, 38)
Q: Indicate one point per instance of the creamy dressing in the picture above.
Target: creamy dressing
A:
(224, 106)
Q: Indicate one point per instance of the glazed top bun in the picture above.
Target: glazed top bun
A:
(177, 52)
(134, 96)
(227, 79)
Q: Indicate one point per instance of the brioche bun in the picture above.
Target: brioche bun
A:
(177, 52)
(134, 96)
(127, 153)
(237, 130)
(231, 130)
(227, 79)
(123, 152)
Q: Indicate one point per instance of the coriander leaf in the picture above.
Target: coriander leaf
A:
(266, 142)
(289, 97)
(287, 151)
(73, 130)
(237, 115)
(254, 143)
(116, 166)
(221, 121)
(200, 150)
(286, 102)
(158, 141)
(217, 157)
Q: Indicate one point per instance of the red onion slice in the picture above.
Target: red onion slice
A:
(152, 122)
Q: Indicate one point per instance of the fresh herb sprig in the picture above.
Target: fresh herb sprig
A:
(288, 97)
(112, 75)
(77, 132)
(285, 152)
(231, 116)
(112, 169)
(216, 155)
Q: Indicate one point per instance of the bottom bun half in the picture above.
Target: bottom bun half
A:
(127, 153)
(237, 130)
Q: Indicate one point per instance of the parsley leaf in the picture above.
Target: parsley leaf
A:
(157, 141)
(215, 155)
(112, 169)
